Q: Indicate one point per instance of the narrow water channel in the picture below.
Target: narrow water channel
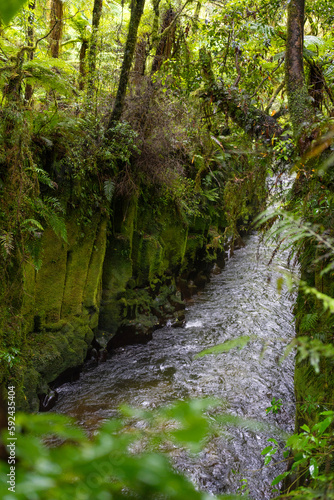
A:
(242, 300)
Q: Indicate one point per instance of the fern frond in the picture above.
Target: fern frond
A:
(42, 176)
(109, 188)
(309, 322)
(50, 209)
(57, 224)
(52, 74)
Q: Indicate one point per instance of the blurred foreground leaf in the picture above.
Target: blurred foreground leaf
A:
(9, 8)
(226, 346)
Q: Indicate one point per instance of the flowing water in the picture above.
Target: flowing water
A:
(242, 300)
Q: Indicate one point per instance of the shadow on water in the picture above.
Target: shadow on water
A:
(242, 300)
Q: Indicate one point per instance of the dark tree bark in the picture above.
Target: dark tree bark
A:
(140, 60)
(300, 109)
(56, 24)
(316, 85)
(30, 36)
(92, 54)
(164, 48)
(137, 8)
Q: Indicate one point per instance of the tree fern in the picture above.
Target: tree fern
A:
(51, 74)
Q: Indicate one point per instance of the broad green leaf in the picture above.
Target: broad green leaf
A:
(272, 440)
(8, 9)
(279, 478)
(313, 468)
(322, 426)
(266, 450)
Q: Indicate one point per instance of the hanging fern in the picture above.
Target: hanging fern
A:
(109, 188)
(51, 210)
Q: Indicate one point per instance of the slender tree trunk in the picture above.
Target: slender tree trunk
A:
(137, 9)
(155, 27)
(300, 109)
(92, 54)
(30, 35)
(82, 64)
(56, 24)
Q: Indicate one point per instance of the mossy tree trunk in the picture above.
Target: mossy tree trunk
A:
(30, 37)
(82, 63)
(56, 24)
(140, 60)
(155, 27)
(137, 8)
(300, 109)
(164, 48)
(92, 53)
(228, 100)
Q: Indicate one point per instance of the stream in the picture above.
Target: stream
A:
(242, 300)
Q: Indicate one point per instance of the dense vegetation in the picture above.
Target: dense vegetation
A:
(186, 107)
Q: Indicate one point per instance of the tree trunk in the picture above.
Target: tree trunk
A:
(137, 8)
(140, 60)
(251, 119)
(82, 64)
(300, 109)
(164, 48)
(91, 84)
(155, 27)
(30, 36)
(56, 24)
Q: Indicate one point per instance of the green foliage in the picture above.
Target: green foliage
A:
(239, 342)
(309, 405)
(276, 406)
(51, 74)
(109, 188)
(9, 9)
(107, 465)
(9, 356)
(311, 349)
(312, 453)
(308, 322)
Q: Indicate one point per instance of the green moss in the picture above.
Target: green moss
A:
(93, 286)
(28, 305)
(50, 279)
(77, 265)
(49, 354)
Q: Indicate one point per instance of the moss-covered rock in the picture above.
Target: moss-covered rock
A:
(61, 305)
